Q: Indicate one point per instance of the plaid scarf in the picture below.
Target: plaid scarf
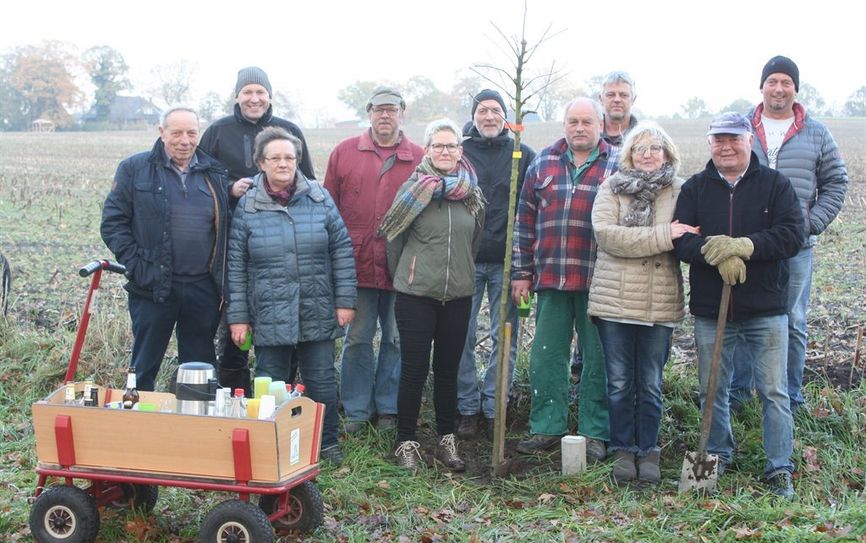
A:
(280, 196)
(432, 184)
(643, 186)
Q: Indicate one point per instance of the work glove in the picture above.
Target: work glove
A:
(732, 270)
(718, 248)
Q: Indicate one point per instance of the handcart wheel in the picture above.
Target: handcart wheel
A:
(306, 509)
(138, 497)
(235, 521)
(64, 514)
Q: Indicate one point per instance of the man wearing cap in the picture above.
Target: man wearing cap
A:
(363, 175)
(750, 224)
(554, 255)
(489, 148)
(230, 141)
(794, 143)
(617, 96)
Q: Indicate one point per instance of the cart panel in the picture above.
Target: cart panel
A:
(174, 444)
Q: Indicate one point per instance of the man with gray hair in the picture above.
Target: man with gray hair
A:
(230, 141)
(165, 219)
(554, 254)
(617, 96)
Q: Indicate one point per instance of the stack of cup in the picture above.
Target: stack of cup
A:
(261, 386)
(278, 391)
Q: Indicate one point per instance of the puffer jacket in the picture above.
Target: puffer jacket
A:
(364, 190)
(435, 256)
(637, 276)
(810, 158)
(491, 158)
(290, 267)
(230, 140)
(136, 224)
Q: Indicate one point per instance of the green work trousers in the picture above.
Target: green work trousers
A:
(558, 315)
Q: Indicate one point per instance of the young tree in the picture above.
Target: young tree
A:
(107, 70)
(559, 92)
(38, 82)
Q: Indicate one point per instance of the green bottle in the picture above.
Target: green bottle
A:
(248, 342)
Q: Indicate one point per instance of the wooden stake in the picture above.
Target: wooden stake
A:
(856, 361)
(502, 374)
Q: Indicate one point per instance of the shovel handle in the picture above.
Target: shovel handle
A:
(712, 381)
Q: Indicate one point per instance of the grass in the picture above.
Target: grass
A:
(49, 215)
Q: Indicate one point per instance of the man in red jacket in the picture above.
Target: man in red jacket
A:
(363, 175)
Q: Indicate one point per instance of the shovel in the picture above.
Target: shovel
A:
(701, 470)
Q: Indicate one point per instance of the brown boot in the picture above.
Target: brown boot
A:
(623, 467)
(648, 468)
(446, 452)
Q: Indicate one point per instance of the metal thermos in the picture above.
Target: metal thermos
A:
(196, 386)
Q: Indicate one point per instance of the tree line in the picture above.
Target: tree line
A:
(42, 82)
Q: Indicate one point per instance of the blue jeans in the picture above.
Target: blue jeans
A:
(799, 285)
(192, 308)
(316, 362)
(368, 385)
(765, 341)
(472, 398)
(635, 357)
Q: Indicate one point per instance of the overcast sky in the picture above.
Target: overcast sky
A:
(674, 49)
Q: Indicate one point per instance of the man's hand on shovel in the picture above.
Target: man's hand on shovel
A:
(719, 248)
(732, 270)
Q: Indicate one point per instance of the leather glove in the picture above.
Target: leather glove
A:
(732, 270)
(718, 248)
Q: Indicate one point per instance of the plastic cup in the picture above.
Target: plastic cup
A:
(261, 386)
(278, 391)
(267, 406)
(248, 342)
(524, 306)
(253, 408)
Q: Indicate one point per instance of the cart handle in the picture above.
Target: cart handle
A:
(90, 268)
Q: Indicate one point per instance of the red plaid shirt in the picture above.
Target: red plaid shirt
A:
(553, 239)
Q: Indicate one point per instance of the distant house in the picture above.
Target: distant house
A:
(127, 112)
(42, 125)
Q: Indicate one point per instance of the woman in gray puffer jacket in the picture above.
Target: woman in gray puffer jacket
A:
(291, 275)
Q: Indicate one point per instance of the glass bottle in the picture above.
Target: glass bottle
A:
(130, 395)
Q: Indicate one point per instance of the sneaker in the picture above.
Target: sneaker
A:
(596, 450)
(408, 455)
(467, 426)
(446, 452)
(386, 422)
(648, 468)
(537, 443)
(332, 454)
(780, 484)
(623, 467)
(353, 426)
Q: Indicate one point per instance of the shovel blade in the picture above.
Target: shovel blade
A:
(700, 472)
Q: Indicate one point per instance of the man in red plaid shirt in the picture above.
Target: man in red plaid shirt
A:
(554, 253)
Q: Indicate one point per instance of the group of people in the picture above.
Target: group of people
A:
(407, 239)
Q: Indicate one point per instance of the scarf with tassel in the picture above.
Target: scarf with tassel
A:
(431, 184)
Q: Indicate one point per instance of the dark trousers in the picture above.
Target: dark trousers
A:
(233, 370)
(422, 323)
(193, 308)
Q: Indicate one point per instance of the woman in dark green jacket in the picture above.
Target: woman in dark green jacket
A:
(433, 230)
(291, 275)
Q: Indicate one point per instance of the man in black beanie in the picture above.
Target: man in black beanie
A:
(488, 147)
(797, 145)
(230, 141)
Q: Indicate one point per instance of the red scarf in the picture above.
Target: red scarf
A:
(281, 196)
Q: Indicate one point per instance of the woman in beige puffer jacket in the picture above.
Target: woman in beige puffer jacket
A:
(636, 293)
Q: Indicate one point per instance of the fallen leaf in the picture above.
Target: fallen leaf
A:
(544, 498)
(810, 456)
(383, 484)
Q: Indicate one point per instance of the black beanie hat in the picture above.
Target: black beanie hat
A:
(781, 65)
(252, 75)
(488, 94)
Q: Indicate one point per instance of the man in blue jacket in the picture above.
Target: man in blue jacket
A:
(792, 142)
(165, 219)
(750, 224)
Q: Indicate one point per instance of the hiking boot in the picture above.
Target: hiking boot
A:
(408, 455)
(780, 484)
(537, 443)
(386, 422)
(332, 454)
(596, 450)
(648, 468)
(467, 426)
(623, 467)
(446, 452)
(353, 426)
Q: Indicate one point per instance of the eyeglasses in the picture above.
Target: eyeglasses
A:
(642, 149)
(450, 147)
(381, 110)
(279, 159)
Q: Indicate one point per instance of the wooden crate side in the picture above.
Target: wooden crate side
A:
(297, 435)
(153, 442)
